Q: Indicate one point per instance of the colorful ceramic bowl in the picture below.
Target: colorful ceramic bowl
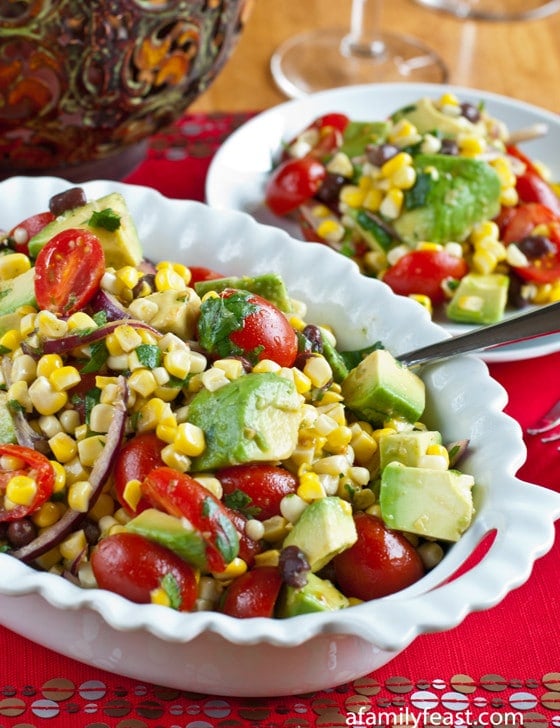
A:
(83, 85)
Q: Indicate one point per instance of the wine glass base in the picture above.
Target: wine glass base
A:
(325, 59)
(497, 10)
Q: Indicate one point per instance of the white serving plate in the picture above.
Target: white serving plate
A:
(238, 172)
(212, 653)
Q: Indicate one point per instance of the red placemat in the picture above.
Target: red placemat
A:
(501, 666)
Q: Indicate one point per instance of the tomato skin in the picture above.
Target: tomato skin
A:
(265, 485)
(256, 328)
(519, 225)
(132, 566)
(135, 460)
(531, 187)
(180, 495)
(253, 594)
(293, 182)
(68, 270)
(523, 219)
(381, 561)
(423, 272)
(200, 274)
(36, 466)
(248, 547)
(334, 119)
(31, 225)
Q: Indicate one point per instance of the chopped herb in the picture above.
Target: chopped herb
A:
(417, 195)
(221, 317)
(226, 540)
(98, 357)
(149, 355)
(92, 397)
(107, 219)
(171, 588)
(4, 350)
(100, 317)
(353, 358)
(240, 501)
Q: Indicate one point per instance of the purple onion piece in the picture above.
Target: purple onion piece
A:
(105, 301)
(99, 475)
(67, 343)
(456, 451)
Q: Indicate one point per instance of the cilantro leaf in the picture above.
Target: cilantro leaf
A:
(107, 219)
(171, 588)
(222, 316)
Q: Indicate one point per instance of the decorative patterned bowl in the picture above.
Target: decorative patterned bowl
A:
(83, 85)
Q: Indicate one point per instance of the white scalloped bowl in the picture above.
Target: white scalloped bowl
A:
(215, 654)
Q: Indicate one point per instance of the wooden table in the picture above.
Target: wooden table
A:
(518, 59)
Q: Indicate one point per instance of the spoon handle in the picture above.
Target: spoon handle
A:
(538, 322)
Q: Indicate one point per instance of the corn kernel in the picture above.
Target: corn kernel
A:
(331, 230)
(484, 261)
(73, 545)
(90, 449)
(424, 301)
(448, 99)
(352, 196)
(79, 494)
(213, 379)
(80, 320)
(167, 279)
(128, 276)
(276, 527)
(189, 439)
(341, 164)
(11, 339)
(471, 145)
(63, 447)
(396, 163)
(44, 398)
(175, 459)
(509, 197)
(160, 596)
(516, 257)
(270, 557)
(13, 264)
(392, 203)
(166, 432)
(484, 230)
(127, 337)
(21, 490)
(24, 367)
(19, 392)
(318, 370)
(47, 514)
(59, 476)
(235, 568)
(373, 199)
(310, 487)
(177, 362)
(266, 365)
(64, 378)
(381, 432)
(49, 326)
(211, 484)
(143, 382)
(151, 413)
(132, 493)
(339, 439)
(48, 363)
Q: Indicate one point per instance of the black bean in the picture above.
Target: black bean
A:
(378, 154)
(313, 335)
(294, 566)
(470, 112)
(516, 299)
(21, 532)
(329, 191)
(92, 532)
(67, 200)
(536, 246)
(450, 147)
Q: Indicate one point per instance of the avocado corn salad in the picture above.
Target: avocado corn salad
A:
(437, 200)
(187, 439)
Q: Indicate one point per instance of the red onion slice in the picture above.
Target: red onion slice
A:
(98, 477)
(73, 341)
(110, 305)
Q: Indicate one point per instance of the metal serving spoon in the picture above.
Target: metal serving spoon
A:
(538, 322)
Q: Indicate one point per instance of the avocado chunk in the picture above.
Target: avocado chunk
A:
(428, 502)
(408, 448)
(121, 245)
(318, 595)
(14, 293)
(175, 312)
(479, 299)
(255, 417)
(7, 429)
(358, 134)
(427, 118)
(171, 532)
(380, 388)
(269, 286)
(324, 529)
(450, 196)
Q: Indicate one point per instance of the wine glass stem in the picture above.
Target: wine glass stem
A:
(365, 38)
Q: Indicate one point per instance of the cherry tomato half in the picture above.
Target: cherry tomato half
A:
(21, 234)
(293, 182)
(381, 561)
(33, 465)
(256, 489)
(253, 594)
(199, 273)
(135, 460)
(132, 566)
(544, 259)
(68, 270)
(423, 272)
(531, 187)
(180, 495)
(239, 323)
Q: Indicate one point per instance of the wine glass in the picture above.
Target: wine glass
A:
(499, 10)
(323, 59)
